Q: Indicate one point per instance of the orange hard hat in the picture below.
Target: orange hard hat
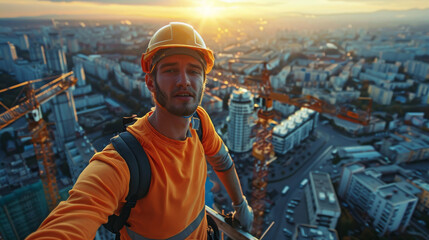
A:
(176, 35)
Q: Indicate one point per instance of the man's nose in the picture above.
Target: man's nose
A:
(183, 79)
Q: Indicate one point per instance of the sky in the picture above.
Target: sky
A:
(210, 9)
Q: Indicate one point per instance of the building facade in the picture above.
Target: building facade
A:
(322, 203)
(292, 131)
(239, 121)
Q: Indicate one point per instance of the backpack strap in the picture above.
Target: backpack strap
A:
(140, 177)
(196, 124)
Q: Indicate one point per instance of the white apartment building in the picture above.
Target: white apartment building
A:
(388, 206)
(382, 66)
(239, 121)
(418, 69)
(392, 208)
(322, 203)
(380, 95)
(292, 131)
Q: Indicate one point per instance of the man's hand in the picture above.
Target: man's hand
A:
(244, 214)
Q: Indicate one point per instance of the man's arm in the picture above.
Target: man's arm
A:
(230, 180)
(225, 170)
(94, 197)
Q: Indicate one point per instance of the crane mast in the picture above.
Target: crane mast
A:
(40, 136)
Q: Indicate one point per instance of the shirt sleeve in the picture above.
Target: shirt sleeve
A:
(97, 194)
(211, 141)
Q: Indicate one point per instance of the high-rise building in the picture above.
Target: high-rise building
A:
(22, 211)
(23, 42)
(56, 60)
(239, 121)
(63, 108)
(7, 56)
(79, 73)
(72, 43)
(37, 53)
(322, 203)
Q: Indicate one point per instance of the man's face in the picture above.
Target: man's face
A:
(179, 84)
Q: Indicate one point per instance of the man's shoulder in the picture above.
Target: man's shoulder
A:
(202, 112)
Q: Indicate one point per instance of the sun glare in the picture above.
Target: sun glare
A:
(208, 11)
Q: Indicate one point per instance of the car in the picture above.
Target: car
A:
(287, 216)
(287, 232)
(290, 211)
(291, 205)
(290, 220)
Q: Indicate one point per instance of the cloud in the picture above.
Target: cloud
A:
(236, 3)
(132, 2)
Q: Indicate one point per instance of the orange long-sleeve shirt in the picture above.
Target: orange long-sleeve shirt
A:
(175, 197)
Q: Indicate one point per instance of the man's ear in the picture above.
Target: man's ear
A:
(149, 82)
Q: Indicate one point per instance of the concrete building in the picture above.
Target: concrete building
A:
(65, 117)
(417, 69)
(406, 145)
(392, 209)
(37, 53)
(322, 203)
(422, 89)
(358, 153)
(7, 57)
(79, 73)
(346, 177)
(380, 95)
(309, 232)
(382, 66)
(283, 108)
(56, 60)
(239, 121)
(387, 206)
(78, 153)
(25, 71)
(292, 131)
(22, 211)
(423, 204)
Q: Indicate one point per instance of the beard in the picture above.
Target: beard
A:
(186, 109)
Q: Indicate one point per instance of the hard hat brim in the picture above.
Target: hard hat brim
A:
(146, 58)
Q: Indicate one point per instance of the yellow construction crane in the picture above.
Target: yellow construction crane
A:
(40, 137)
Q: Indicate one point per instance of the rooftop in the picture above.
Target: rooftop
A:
(326, 199)
(395, 194)
(309, 232)
(370, 181)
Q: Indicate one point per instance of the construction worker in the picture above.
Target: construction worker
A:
(176, 63)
